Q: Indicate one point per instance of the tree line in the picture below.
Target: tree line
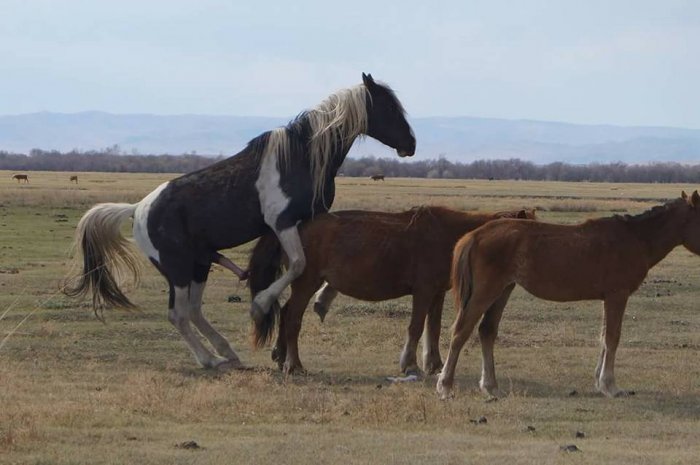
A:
(112, 160)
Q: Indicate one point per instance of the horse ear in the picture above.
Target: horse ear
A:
(367, 80)
(695, 199)
(684, 196)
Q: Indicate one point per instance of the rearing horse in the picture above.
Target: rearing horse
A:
(282, 177)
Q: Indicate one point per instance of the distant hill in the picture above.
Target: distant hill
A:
(461, 139)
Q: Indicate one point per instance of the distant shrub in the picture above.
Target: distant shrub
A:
(572, 207)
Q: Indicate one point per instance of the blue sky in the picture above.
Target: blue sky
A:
(615, 61)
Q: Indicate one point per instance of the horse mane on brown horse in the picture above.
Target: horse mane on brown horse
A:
(369, 256)
(601, 259)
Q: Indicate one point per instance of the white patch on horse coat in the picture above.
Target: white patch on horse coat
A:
(273, 200)
(141, 223)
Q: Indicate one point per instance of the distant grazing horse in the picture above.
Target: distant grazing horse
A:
(74, 178)
(602, 259)
(369, 256)
(282, 177)
(21, 177)
(377, 177)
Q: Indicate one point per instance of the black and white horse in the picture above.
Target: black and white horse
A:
(282, 177)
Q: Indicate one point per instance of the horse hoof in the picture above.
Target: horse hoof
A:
(490, 391)
(413, 371)
(433, 368)
(321, 311)
(444, 392)
(276, 354)
(296, 369)
(230, 365)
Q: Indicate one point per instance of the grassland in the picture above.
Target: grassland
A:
(74, 390)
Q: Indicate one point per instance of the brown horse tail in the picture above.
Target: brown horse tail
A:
(106, 257)
(462, 277)
(264, 268)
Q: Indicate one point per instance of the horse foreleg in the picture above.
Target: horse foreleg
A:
(323, 300)
(291, 243)
(488, 330)
(179, 315)
(279, 351)
(614, 308)
(219, 342)
(432, 362)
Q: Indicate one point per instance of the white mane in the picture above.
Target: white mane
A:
(340, 117)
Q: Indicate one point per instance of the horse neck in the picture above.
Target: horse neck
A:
(661, 234)
(338, 155)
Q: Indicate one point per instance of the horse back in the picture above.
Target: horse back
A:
(561, 262)
(376, 255)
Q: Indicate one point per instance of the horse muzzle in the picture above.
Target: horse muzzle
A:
(406, 152)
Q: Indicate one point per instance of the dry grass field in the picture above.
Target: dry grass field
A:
(74, 390)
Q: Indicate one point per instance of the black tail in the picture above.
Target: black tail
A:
(264, 268)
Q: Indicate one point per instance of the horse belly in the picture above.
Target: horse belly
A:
(365, 284)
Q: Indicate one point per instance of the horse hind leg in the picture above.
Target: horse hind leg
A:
(218, 341)
(323, 300)
(422, 300)
(432, 361)
(488, 331)
(179, 315)
(290, 325)
(467, 318)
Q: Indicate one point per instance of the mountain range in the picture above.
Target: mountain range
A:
(460, 139)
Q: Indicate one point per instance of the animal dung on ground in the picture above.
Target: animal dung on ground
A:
(189, 445)
(569, 448)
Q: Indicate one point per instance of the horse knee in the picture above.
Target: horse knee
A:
(296, 267)
(175, 318)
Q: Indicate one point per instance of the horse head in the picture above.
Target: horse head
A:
(386, 118)
(691, 230)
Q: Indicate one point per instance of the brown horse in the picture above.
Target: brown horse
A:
(377, 177)
(21, 177)
(602, 259)
(74, 178)
(370, 256)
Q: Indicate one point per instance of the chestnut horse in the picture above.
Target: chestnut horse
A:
(369, 256)
(21, 177)
(601, 259)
